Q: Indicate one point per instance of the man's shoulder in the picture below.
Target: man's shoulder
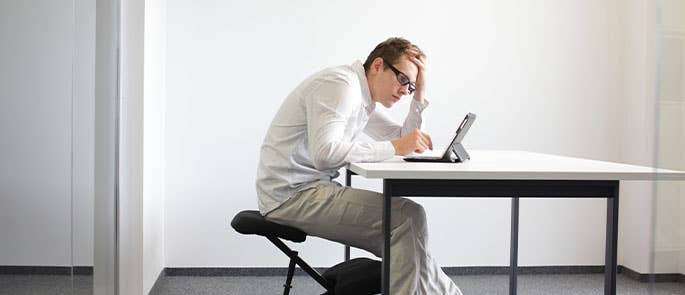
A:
(339, 74)
(333, 83)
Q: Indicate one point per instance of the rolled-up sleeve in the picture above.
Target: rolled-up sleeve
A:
(382, 127)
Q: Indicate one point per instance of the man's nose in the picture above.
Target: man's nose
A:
(404, 90)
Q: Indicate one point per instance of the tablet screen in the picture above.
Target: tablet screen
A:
(461, 132)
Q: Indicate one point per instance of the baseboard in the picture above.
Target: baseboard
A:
(503, 270)
(45, 270)
(233, 271)
(657, 278)
(454, 271)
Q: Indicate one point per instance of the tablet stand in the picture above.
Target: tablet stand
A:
(459, 151)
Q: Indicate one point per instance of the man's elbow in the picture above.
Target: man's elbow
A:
(322, 158)
(322, 162)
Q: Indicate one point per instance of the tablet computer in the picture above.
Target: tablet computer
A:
(454, 152)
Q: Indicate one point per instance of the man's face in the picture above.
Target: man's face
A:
(386, 87)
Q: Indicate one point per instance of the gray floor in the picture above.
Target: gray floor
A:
(45, 284)
(474, 284)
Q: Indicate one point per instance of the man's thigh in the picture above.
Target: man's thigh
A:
(343, 214)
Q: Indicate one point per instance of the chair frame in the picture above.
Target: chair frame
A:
(296, 260)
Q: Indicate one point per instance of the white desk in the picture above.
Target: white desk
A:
(511, 174)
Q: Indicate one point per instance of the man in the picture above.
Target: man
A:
(313, 136)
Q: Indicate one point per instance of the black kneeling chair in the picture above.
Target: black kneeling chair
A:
(359, 276)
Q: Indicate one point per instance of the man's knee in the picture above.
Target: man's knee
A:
(415, 212)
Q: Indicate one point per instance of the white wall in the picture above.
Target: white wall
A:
(542, 76)
(141, 174)
(153, 141)
(142, 151)
(638, 136)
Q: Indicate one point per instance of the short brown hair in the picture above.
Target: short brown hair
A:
(391, 50)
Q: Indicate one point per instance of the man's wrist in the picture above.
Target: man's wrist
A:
(395, 145)
(421, 103)
(420, 97)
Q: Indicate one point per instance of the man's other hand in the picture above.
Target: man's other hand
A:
(416, 142)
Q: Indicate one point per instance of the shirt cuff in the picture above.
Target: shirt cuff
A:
(418, 106)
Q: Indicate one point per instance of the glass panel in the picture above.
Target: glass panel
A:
(668, 251)
(83, 145)
(49, 149)
(37, 131)
(105, 148)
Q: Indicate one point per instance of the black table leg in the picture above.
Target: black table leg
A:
(385, 277)
(348, 183)
(610, 259)
(513, 248)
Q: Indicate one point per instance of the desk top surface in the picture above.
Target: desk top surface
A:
(487, 164)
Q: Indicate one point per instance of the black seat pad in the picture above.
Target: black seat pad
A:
(251, 222)
(359, 276)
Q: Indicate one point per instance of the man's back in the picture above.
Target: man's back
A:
(286, 164)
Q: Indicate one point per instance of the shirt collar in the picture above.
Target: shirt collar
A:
(369, 105)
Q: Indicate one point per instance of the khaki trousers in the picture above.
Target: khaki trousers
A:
(353, 217)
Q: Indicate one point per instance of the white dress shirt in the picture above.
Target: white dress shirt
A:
(313, 134)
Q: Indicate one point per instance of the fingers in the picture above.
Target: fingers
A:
(418, 62)
(420, 147)
(427, 139)
(414, 52)
(423, 140)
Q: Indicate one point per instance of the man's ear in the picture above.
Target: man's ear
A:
(377, 64)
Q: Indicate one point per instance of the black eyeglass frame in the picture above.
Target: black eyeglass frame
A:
(399, 75)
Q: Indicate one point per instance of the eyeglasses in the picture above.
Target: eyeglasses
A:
(402, 78)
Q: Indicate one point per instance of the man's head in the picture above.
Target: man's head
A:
(388, 67)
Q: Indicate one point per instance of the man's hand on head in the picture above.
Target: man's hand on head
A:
(420, 63)
(414, 142)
